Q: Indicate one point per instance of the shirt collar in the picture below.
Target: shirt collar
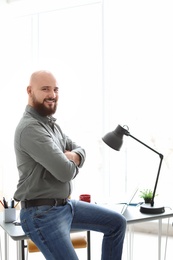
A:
(35, 114)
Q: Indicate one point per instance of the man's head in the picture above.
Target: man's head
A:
(43, 92)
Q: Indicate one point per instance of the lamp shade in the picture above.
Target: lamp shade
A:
(114, 139)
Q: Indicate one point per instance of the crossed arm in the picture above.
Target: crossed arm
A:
(72, 156)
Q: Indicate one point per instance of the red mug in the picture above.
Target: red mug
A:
(85, 197)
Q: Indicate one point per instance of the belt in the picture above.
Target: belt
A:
(41, 202)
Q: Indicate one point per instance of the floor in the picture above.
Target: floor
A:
(145, 247)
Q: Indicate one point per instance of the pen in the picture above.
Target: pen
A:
(12, 203)
(5, 203)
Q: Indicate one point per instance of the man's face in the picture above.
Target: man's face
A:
(43, 94)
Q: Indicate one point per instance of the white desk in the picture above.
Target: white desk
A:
(132, 215)
(17, 234)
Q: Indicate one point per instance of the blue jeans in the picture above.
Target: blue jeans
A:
(49, 228)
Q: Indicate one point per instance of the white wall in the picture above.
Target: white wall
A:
(138, 65)
(114, 59)
(67, 41)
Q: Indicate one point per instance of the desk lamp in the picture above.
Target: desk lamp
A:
(114, 140)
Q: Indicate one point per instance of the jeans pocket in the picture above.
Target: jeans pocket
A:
(42, 210)
(25, 226)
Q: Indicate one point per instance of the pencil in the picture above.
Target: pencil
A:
(16, 204)
(1, 203)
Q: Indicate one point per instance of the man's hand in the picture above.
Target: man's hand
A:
(73, 157)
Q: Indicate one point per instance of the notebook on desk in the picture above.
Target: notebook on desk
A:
(125, 206)
(122, 207)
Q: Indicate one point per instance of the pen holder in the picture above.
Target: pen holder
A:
(9, 215)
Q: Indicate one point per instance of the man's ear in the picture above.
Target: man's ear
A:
(29, 90)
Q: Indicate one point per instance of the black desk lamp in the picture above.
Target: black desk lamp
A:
(114, 140)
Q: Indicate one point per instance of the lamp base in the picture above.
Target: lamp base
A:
(146, 208)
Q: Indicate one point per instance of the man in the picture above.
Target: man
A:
(47, 162)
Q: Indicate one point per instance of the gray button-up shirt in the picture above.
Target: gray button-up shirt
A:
(44, 170)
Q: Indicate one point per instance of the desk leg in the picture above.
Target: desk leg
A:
(20, 250)
(0, 250)
(6, 245)
(130, 236)
(160, 239)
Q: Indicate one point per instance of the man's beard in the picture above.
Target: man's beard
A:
(42, 109)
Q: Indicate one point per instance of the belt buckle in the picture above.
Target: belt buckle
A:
(56, 202)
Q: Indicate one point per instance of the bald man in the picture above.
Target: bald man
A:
(47, 162)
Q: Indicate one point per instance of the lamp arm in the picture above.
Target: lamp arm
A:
(158, 173)
(144, 144)
(157, 178)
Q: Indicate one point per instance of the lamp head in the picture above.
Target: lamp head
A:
(114, 139)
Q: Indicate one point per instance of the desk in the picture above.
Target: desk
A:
(17, 234)
(132, 215)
